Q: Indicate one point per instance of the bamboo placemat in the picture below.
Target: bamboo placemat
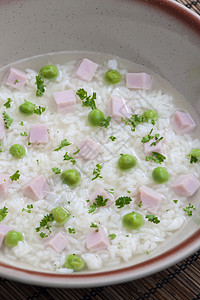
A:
(180, 282)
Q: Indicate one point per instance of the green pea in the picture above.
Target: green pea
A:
(49, 72)
(60, 215)
(70, 177)
(27, 108)
(150, 115)
(132, 220)
(195, 153)
(17, 151)
(95, 117)
(74, 262)
(160, 175)
(12, 238)
(113, 77)
(126, 162)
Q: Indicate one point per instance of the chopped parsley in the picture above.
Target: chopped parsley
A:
(7, 104)
(133, 121)
(99, 201)
(28, 208)
(16, 80)
(157, 139)
(128, 192)
(156, 157)
(56, 170)
(112, 236)
(39, 110)
(3, 213)
(23, 134)
(97, 172)
(152, 218)
(21, 123)
(37, 160)
(188, 209)
(122, 201)
(147, 252)
(193, 159)
(7, 120)
(68, 157)
(76, 151)
(40, 86)
(71, 230)
(148, 137)
(0, 148)
(87, 101)
(62, 144)
(44, 223)
(140, 204)
(113, 138)
(94, 226)
(175, 201)
(15, 176)
(106, 122)
(110, 191)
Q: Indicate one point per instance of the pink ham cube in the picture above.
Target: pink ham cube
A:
(119, 108)
(151, 200)
(3, 231)
(58, 242)
(186, 185)
(65, 101)
(101, 192)
(37, 188)
(89, 149)
(39, 134)
(138, 81)
(148, 149)
(4, 183)
(2, 128)
(182, 122)
(97, 240)
(85, 69)
(16, 78)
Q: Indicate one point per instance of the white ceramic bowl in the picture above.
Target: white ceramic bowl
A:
(159, 34)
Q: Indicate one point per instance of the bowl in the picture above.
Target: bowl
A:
(161, 35)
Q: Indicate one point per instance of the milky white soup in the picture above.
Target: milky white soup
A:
(96, 168)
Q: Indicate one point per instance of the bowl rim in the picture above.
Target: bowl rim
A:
(160, 262)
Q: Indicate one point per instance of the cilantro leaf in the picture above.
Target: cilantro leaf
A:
(44, 223)
(40, 86)
(188, 209)
(3, 213)
(62, 144)
(87, 101)
(122, 201)
(39, 110)
(156, 157)
(7, 120)
(56, 170)
(97, 172)
(112, 236)
(7, 104)
(15, 176)
(99, 201)
(105, 123)
(152, 218)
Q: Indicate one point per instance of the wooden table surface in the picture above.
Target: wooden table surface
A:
(180, 282)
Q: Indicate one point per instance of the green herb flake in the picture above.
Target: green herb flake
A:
(43, 235)
(156, 157)
(122, 201)
(71, 230)
(23, 134)
(140, 204)
(62, 144)
(93, 225)
(106, 122)
(175, 201)
(39, 110)
(16, 80)
(15, 176)
(40, 86)
(28, 208)
(152, 218)
(3, 213)
(7, 120)
(7, 104)
(128, 192)
(189, 209)
(87, 101)
(97, 172)
(148, 137)
(112, 236)
(157, 140)
(147, 252)
(110, 191)
(133, 121)
(21, 123)
(76, 151)
(56, 170)
(193, 159)
(44, 223)
(99, 201)
(112, 138)
(68, 157)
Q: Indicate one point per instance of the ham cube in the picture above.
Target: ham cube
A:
(148, 149)
(39, 134)
(89, 149)
(186, 185)
(119, 108)
(85, 69)
(138, 81)
(97, 240)
(151, 200)
(58, 243)
(182, 122)
(101, 192)
(4, 183)
(2, 128)
(65, 101)
(3, 231)
(37, 188)
(16, 78)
